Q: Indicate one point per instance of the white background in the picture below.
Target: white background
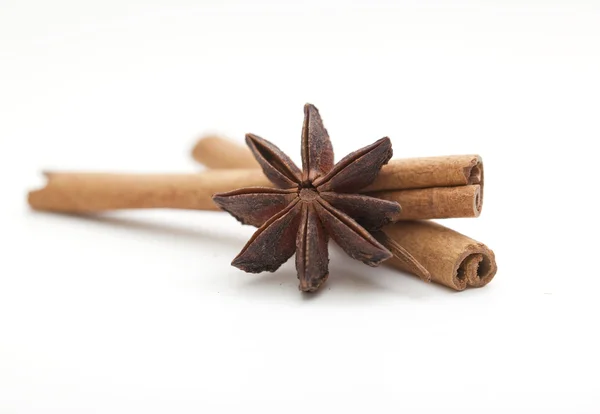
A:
(141, 311)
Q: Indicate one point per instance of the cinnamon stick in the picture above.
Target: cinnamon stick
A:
(425, 172)
(399, 174)
(451, 258)
(436, 202)
(426, 188)
(88, 192)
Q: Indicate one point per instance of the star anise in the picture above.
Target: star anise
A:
(311, 205)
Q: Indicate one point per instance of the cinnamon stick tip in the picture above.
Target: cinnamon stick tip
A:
(474, 171)
(34, 196)
(475, 268)
(35, 199)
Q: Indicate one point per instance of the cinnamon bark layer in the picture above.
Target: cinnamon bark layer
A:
(449, 257)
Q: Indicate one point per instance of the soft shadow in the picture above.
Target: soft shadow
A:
(284, 277)
(154, 228)
(358, 277)
(348, 278)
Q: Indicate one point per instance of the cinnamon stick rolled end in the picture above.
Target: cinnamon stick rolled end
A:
(474, 172)
(428, 172)
(475, 268)
(452, 259)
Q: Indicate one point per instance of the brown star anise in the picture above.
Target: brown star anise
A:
(310, 205)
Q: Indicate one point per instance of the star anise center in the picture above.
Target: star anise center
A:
(308, 194)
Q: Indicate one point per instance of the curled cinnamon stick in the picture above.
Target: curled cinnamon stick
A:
(448, 171)
(451, 258)
(426, 188)
(398, 174)
(436, 202)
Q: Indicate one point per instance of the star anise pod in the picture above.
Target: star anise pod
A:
(311, 205)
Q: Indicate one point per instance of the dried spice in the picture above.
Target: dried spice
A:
(450, 186)
(310, 205)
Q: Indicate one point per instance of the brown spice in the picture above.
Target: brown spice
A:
(426, 188)
(86, 192)
(426, 172)
(440, 254)
(311, 205)
(448, 257)
(398, 174)
(92, 192)
(437, 253)
(436, 202)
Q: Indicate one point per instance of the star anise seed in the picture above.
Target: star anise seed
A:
(311, 205)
